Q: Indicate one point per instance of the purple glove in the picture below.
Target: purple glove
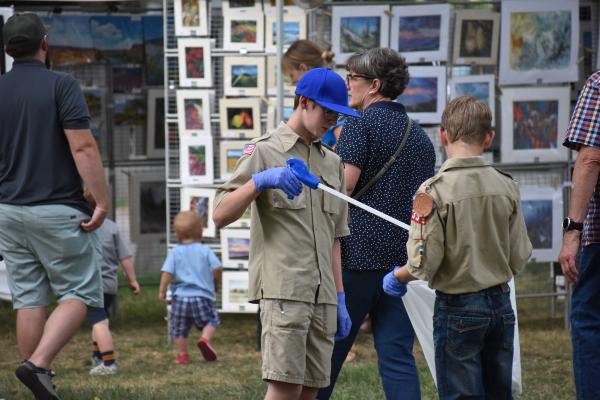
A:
(344, 323)
(278, 178)
(392, 286)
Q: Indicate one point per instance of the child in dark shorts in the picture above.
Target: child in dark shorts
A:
(193, 271)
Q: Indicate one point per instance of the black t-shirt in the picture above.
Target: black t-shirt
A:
(36, 165)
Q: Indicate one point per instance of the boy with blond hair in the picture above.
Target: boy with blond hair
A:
(193, 271)
(467, 239)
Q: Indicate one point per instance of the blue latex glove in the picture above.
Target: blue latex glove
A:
(301, 171)
(392, 286)
(278, 178)
(343, 318)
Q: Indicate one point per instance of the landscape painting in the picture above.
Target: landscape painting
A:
(291, 32)
(359, 33)
(235, 245)
(538, 219)
(230, 153)
(243, 31)
(419, 33)
(118, 39)
(535, 124)
(235, 293)
(481, 87)
(238, 248)
(70, 40)
(153, 49)
(420, 95)
(130, 110)
(244, 76)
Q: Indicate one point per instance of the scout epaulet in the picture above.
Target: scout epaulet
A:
(422, 208)
(504, 173)
(249, 148)
(328, 147)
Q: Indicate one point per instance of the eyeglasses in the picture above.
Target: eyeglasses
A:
(351, 77)
(329, 114)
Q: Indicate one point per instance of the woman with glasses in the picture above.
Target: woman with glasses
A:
(376, 77)
(302, 56)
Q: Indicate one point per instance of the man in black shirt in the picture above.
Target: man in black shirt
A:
(46, 226)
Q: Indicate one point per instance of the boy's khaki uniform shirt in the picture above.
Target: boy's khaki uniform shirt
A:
(475, 237)
(291, 241)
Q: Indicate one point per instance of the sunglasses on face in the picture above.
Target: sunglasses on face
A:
(350, 77)
(330, 114)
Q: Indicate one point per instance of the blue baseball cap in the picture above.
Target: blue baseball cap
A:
(327, 89)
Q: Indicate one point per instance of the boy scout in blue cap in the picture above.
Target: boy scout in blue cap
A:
(295, 270)
(467, 239)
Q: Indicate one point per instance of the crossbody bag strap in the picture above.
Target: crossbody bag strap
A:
(387, 164)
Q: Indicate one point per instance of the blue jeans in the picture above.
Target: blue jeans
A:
(392, 331)
(585, 324)
(473, 337)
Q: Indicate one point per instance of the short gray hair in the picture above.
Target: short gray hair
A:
(384, 64)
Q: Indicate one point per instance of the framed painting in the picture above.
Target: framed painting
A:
(244, 76)
(5, 60)
(196, 160)
(155, 122)
(482, 87)
(425, 95)
(243, 31)
(534, 120)
(130, 110)
(118, 39)
(191, 18)
(193, 112)
(230, 152)
(539, 44)
(294, 28)
(240, 118)
(476, 37)
(354, 28)
(272, 70)
(148, 206)
(235, 293)
(202, 201)
(70, 39)
(543, 213)
(154, 56)
(235, 248)
(241, 6)
(420, 33)
(194, 62)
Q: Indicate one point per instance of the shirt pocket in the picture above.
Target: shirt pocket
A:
(331, 203)
(280, 200)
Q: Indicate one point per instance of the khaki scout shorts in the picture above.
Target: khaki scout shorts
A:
(297, 341)
(46, 251)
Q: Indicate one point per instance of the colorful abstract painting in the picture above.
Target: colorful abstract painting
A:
(540, 40)
(476, 38)
(535, 124)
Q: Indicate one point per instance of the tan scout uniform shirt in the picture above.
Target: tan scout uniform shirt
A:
(291, 241)
(475, 237)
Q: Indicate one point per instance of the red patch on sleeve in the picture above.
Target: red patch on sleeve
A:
(418, 218)
(248, 149)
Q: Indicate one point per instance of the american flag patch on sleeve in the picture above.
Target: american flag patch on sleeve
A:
(248, 149)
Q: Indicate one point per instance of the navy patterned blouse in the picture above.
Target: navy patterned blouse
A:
(375, 244)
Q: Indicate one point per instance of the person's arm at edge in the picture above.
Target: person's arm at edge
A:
(403, 275)
(336, 265)
(129, 269)
(217, 274)
(585, 177)
(165, 279)
(352, 174)
(234, 204)
(89, 165)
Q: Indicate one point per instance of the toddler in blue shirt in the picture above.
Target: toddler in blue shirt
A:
(193, 271)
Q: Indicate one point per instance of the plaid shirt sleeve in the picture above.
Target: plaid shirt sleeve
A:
(584, 127)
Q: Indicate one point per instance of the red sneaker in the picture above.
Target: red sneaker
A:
(182, 359)
(206, 349)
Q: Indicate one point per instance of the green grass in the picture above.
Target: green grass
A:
(147, 369)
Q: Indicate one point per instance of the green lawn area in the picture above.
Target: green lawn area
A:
(147, 369)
